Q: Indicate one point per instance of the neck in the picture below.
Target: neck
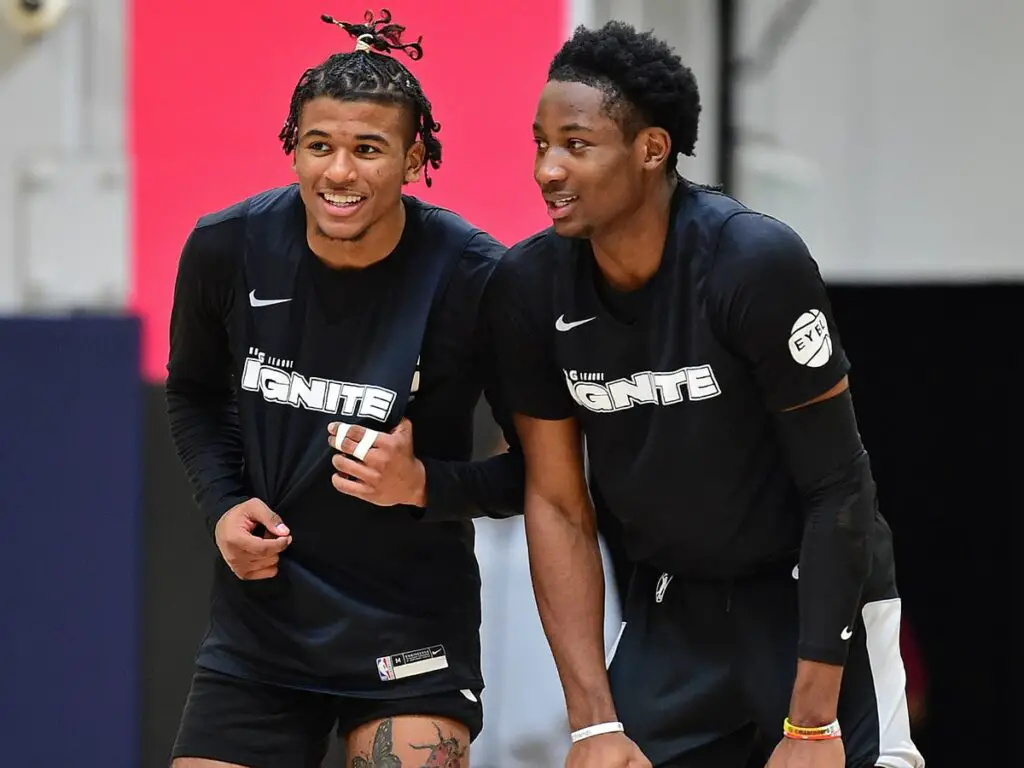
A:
(375, 245)
(629, 251)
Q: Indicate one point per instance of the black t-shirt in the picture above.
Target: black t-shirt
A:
(268, 346)
(676, 384)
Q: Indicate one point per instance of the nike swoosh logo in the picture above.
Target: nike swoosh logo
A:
(561, 325)
(846, 634)
(253, 301)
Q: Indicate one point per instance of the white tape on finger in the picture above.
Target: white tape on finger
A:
(339, 438)
(365, 444)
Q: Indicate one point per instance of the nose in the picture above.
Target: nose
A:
(548, 169)
(342, 169)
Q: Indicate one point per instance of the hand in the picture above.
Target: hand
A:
(609, 750)
(389, 472)
(251, 557)
(794, 753)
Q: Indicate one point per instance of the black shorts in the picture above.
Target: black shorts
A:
(267, 726)
(702, 673)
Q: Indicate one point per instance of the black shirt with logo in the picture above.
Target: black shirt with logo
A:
(675, 385)
(268, 346)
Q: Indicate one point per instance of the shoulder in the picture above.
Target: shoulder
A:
(535, 260)
(440, 222)
(523, 285)
(754, 249)
(733, 231)
(479, 251)
(755, 238)
(219, 236)
(271, 202)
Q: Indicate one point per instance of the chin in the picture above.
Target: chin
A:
(573, 229)
(345, 231)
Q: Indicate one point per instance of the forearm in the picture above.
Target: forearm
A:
(464, 490)
(207, 439)
(832, 472)
(815, 698)
(834, 560)
(493, 487)
(568, 582)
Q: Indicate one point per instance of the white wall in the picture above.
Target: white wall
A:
(888, 133)
(63, 213)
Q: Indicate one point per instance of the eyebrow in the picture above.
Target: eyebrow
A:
(568, 128)
(360, 137)
(373, 137)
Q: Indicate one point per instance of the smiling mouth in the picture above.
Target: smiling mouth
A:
(338, 200)
(562, 202)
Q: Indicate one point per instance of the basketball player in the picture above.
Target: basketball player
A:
(325, 363)
(690, 340)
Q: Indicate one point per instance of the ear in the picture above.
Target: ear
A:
(414, 158)
(655, 148)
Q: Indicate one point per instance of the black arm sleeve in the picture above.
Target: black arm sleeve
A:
(776, 315)
(492, 487)
(831, 469)
(201, 407)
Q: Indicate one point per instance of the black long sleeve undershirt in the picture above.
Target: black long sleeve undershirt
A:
(201, 408)
(493, 487)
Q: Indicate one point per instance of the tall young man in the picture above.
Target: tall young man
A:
(326, 359)
(690, 340)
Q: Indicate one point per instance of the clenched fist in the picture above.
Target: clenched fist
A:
(249, 556)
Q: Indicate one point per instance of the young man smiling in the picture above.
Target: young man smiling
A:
(314, 326)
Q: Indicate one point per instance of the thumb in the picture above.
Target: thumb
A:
(265, 516)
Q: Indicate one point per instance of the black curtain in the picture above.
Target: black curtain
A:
(936, 377)
(936, 373)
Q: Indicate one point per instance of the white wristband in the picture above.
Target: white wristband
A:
(596, 730)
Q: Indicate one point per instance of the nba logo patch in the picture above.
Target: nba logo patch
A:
(411, 663)
(384, 668)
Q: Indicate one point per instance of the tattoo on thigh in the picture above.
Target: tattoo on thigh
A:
(446, 753)
(382, 755)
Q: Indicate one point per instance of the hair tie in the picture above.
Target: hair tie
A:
(363, 43)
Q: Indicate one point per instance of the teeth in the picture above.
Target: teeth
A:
(335, 199)
(564, 201)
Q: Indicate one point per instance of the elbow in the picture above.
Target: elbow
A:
(855, 486)
(843, 508)
(543, 509)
